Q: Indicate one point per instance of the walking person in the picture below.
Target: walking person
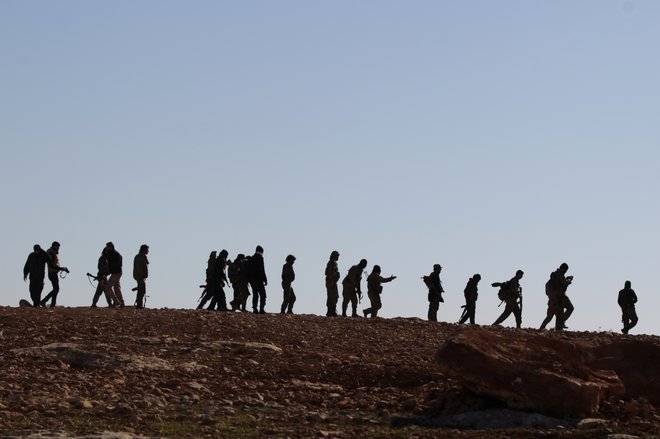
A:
(103, 270)
(434, 285)
(511, 294)
(288, 276)
(54, 270)
(351, 292)
(113, 286)
(471, 293)
(331, 279)
(207, 294)
(236, 271)
(140, 274)
(374, 289)
(35, 268)
(559, 305)
(258, 281)
(218, 283)
(627, 300)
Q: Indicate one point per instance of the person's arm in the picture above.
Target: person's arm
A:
(387, 279)
(26, 268)
(263, 271)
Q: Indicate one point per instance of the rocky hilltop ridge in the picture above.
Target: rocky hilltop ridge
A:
(77, 372)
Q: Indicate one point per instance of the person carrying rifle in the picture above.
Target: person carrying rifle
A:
(559, 305)
(511, 294)
(471, 294)
(433, 283)
(54, 269)
(238, 278)
(207, 293)
(351, 288)
(102, 278)
(140, 274)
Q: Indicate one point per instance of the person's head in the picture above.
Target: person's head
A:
(223, 254)
(376, 269)
(110, 246)
(628, 285)
(212, 255)
(363, 264)
(290, 259)
(477, 277)
(334, 256)
(144, 249)
(260, 249)
(55, 246)
(437, 268)
(37, 248)
(519, 274)
(239, 257)
(563, 267)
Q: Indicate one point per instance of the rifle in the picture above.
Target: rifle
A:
(203, 292)
(520, 301)
(92, 276)
(464, 313)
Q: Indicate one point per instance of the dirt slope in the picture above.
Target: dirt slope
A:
(184, 373)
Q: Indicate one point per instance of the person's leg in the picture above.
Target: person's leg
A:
(568, 310)
(36, 287)
(506, 313)
(141, 292)
(434, 305)
(262, 298)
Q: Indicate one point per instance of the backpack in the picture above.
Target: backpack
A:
(501, 294)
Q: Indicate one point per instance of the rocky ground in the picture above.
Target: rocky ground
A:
(76, 372)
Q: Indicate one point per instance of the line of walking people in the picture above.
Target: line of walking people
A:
(108, 276)
(247, 276)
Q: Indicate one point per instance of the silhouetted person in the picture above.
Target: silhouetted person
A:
(471, 293)
(35, 268)
(218, 283)
(237, 272)
(331, 279)
(511, 294)
(351, 287)
(54, 269)
(103, 270)
(207, 294)
(374, 289)
(140, 274)
(288, 276)
(627, 300)
(434, 285)
(559, 305)
(113, 286)
(258, 281)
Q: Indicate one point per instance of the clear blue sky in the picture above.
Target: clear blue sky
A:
(485, 136)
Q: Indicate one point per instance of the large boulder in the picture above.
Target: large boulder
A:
(529, 371)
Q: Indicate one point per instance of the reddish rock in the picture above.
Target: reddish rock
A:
(528, 371)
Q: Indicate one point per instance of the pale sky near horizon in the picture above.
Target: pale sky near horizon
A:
(486, 136)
